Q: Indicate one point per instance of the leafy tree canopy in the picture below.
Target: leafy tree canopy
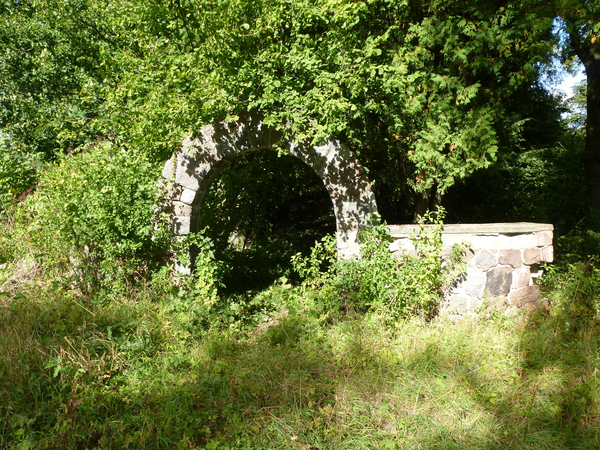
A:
(50, 52)
(581, 21)
(425, 92)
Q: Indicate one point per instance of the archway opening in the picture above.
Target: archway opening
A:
(262, 209)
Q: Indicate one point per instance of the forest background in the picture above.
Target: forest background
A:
(445, 104)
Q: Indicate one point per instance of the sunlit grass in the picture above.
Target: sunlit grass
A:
(80, 374)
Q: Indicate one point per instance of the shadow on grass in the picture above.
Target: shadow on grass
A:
(124, 377)
(540, 392)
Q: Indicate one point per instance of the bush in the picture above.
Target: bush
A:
(572, 283)
(411, 285)
(96, 215)
(17, 174)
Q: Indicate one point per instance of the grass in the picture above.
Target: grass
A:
(79, 373)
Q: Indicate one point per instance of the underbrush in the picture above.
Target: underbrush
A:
(408, 285)
(137, 372)
(98, 352)
(572, 283)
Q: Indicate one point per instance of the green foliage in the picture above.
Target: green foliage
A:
(427, 94)
(578, 107)
(124, 374)
(421, 91)
(314, 268)
(580, 21)
(51, 55)
(540, 184)
(262, 209)
(17, 174)
(573, 281)
(96, 214)
(424, 92)
(579, 287)
(401, 287)
(444, 84)
(538, 177)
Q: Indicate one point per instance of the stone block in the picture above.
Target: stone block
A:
(474, 303)
(548, 254)
(187, 179)
(173, 191)
(185, 170)
(521, 277)
(457, 286)
(484, 260)
(530, 307)
(457, 304)
(476, 241)
(455, 238)
(469, 255)
(521, 241)
(347, 244)
(544, 238)
(496, 304)
(491, 241)
(349, 207)
(532, 256)
(475, 283)
(181, 224)
(181, 269)
(181, 209)
(258, 133)
(203, 170)
(168, 170)
(510, 257)
(522, 296)
(498, 281)
(495, 241)
(405, 243)
(188, 196)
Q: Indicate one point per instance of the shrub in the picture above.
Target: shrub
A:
(572, 283)
(375, 279)
(96, 214)
(17, 174)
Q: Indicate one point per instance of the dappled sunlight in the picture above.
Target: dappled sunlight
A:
(129, 374)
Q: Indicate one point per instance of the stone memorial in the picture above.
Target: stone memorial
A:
(502, 263)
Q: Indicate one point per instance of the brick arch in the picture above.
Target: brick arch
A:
(203, 157)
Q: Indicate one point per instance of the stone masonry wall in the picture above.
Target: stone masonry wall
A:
(502, 263)
(192, 169)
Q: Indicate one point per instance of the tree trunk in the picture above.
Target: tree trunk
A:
(429, 200)
(592, 137)
(589, 54)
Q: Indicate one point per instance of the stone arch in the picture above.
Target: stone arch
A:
(203, 156)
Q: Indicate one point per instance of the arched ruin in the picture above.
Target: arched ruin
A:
(503, 260)
(203, 156)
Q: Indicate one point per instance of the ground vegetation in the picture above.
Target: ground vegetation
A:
(272, 342)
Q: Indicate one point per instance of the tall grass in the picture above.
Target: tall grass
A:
(84, 374)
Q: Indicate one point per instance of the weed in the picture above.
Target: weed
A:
(78, 373)
(399, 287)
